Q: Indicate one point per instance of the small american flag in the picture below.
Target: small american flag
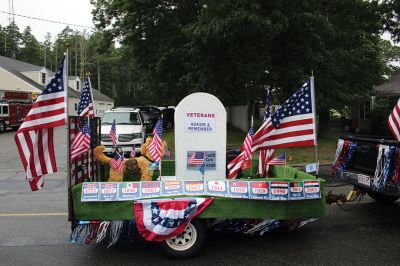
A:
(278, 160)
(117, 163)
(394, 121)
(265, 155)
(243, 160)
(292, 124)
(85, 107)
(81, 142)
(133, 152)
(197, 158)
(155, 146)
(34, 138)
(113, 133)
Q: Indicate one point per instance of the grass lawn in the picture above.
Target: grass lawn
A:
(301, 155)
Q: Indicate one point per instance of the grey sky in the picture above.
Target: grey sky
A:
(68, 11)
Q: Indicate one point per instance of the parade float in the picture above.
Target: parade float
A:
(173, 202)
(191, 194)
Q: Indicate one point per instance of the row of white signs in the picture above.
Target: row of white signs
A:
(260, 190)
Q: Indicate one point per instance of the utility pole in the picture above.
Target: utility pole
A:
(98, 73)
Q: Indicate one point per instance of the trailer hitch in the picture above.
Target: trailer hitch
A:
(335, 198)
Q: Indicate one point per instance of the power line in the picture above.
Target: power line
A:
(47, 20)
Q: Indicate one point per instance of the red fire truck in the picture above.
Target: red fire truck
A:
(14, 107)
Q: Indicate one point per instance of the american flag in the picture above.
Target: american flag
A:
(113, 133)
(85, 107)
(265, 155)
(34, 138)
(292, 124)
(243, 160)
(155, 146)
(196, 158)
(117, 163)
(133, 152)
(278, 160)
(394, 121)
(81, 142)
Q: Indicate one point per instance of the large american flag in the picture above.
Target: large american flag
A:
(292, 124)
(81, 142)
(155, 146)
(394, 121)
(113, 133)
(34, 138)
(265, 155)
(85, 107)
(243, 160)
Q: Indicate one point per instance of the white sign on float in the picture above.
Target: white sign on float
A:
(200, 138)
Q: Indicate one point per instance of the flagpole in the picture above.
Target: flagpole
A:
(65, 81)
(315, 119)
(90, 150)
(161, 146)
(251, 159)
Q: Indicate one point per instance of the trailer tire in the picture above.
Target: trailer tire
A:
(2, 126)
(382, 198)
(189, 243)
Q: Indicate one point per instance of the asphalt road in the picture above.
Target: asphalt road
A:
(35, 231)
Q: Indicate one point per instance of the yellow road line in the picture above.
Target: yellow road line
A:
(33, 214)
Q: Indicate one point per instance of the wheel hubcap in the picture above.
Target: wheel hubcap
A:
(183, 241)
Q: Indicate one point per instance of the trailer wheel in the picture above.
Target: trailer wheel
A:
(2, 126)
(187, 244)
(382, 198)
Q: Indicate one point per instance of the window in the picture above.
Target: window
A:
(364, 109)
(76, 106)
(5, 110)
(78, 85)
(43, 78)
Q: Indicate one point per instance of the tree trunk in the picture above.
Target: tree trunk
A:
(323, 126)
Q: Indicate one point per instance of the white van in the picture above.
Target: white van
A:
(130, 129)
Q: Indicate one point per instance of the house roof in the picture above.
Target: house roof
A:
(15, 67)
(390, 87)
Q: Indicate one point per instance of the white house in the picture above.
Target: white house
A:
(20, 76)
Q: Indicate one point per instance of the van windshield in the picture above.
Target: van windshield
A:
(121, 118)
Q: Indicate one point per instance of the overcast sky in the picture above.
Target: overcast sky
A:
(68, 11)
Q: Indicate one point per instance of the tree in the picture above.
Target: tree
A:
(30, 50)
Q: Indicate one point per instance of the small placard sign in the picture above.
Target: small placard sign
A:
(259, 190)
(217, 188)
(151, 189)
(128, 190)
(238, 189)
(172, 188)
(90, 192)
(312, 189)
(296, 190)
(194, 187)
(279, 190)
(108, 191)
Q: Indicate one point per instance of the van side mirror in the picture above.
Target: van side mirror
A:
(146, 123)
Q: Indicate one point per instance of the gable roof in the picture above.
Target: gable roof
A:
(390, 87)
(15, 67)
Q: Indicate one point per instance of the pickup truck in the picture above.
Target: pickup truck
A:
(361, 168)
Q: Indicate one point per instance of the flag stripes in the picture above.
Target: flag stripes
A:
(394, 121)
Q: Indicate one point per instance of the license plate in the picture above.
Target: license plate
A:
(365, 180)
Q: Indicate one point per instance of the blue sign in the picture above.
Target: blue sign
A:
(172, 188)
(238, 189)
(216, 188)
(312, 189)
(90, 192)
(296, 190)
(128, 190)
(279, 190)
(259, 190)
(150, 189)
(108, 191)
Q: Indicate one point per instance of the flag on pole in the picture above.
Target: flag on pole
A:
(34, 138)
(113, 133)
(243, 160)
(278, 160)
(133, 152)
(265, 155)
(394, 121)
(117, 162)
(155, 146)
(81, 142)
(292, 124)
(85, 107)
